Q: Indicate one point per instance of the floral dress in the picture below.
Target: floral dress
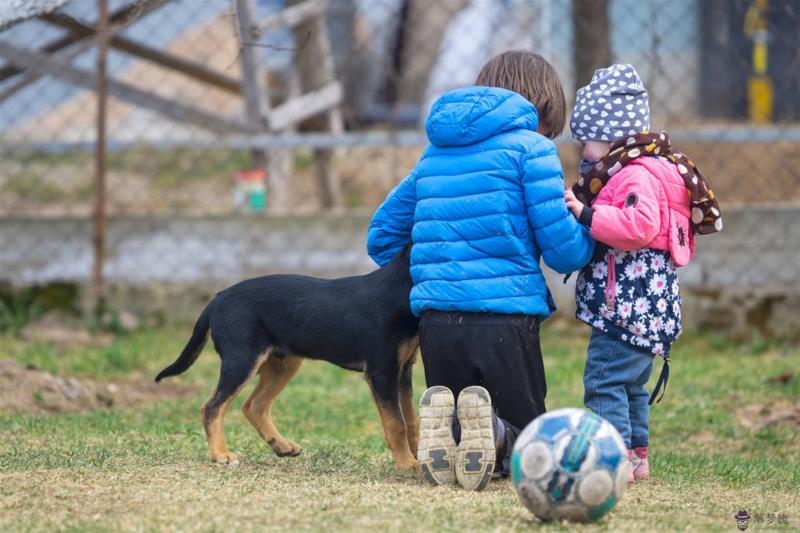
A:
(634, 295)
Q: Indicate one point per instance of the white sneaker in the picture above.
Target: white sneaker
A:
(475, 455)
(436, 450)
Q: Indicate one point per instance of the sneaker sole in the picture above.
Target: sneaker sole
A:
(475, 455)
(436, 450)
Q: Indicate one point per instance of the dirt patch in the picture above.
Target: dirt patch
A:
(703, 438)
(62, 329)
(28, 389)
(760, 415)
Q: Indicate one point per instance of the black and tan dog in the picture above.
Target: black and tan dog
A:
(267, 325)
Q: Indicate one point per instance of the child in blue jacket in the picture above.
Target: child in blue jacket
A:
(482, 205)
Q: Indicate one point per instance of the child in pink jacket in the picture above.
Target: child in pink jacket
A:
(643, 203)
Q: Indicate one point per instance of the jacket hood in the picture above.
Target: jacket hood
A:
(472, 114)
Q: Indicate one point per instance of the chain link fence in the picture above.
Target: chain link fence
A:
(192, 177)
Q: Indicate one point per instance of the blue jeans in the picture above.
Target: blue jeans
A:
(613, 380)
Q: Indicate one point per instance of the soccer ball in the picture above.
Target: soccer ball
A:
(569, 464)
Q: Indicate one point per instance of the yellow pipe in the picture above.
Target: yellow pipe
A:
(759, 85)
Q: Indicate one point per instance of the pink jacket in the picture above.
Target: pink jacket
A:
(645, 205)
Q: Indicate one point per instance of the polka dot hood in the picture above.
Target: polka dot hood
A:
(613, 105)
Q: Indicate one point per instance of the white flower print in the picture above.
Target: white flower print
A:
(658, 284)
(638, 328)
(625, 309)
(636, 269)
(629, 269)
(589, 291)
(656, 324)
(641, 306)
(643, 342)
(617, 290)
(599, 270)
(646, 308)
(641, 268)
(657, 263)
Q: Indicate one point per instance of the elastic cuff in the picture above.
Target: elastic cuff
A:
(639, 443)
(586, 216)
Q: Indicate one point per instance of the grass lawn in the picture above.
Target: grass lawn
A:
(145, 467)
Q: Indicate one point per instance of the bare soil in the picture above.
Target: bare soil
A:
(758, 416)
(31, 390)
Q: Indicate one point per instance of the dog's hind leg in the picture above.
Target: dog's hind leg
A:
(384, 385)
(233, 375)
(408, 407)
(406, 357)
(274, 374)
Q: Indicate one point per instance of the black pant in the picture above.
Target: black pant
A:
(499, 352)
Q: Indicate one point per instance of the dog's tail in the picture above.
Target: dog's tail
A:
(191, 350)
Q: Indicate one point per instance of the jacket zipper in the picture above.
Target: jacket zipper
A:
(611, 283)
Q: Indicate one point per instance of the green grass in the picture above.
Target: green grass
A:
(145, 468)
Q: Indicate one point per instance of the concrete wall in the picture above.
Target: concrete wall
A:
(745, 279)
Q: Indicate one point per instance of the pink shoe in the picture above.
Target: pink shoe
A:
(631, 477)
(639, 462)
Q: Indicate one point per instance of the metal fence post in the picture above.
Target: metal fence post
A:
(256, 96)
(99, 208)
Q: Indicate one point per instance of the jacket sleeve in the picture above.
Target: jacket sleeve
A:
(565, 243)
(633, 218)
(391, 225)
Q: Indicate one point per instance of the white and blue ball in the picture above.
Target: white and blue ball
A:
(569, 464)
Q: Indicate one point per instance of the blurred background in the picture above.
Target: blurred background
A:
(154, 151)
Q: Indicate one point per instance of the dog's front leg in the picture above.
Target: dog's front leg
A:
(384, 388)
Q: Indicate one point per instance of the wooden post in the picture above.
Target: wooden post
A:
(187, 67)
(43, 64)
(592, 49)
(122, 16)
(256, 96)
(421, 36)
(314, 62)
(98, 282)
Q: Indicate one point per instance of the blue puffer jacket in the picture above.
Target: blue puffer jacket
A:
(483, 203)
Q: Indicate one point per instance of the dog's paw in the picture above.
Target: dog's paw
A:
(292, 450)
(284, 448)
(408, 466)
(225, 458)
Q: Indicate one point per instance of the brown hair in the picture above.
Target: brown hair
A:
(534, 78)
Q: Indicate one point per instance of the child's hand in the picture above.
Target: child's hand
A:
(573, 204)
